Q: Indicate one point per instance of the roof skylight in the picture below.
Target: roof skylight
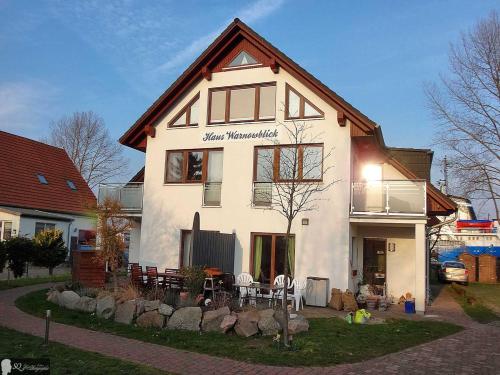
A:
(71, 184)
(42, 179)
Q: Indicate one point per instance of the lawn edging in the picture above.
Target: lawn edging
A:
(329, 341)
(27, 281)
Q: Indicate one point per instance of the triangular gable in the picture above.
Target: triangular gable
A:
(238, 36)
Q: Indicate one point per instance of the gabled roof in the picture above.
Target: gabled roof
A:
(22, 159)
(236, 34)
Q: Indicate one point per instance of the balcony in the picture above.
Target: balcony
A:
(211, 194)
(389, 197)
(262, 194)
(128, 194)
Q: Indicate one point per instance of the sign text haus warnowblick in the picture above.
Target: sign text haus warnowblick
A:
(236, 135)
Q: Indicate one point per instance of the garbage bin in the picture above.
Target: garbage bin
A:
(317, 291)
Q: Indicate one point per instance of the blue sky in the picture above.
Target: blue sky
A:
(116, 57)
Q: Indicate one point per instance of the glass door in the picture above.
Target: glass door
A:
(268, 254)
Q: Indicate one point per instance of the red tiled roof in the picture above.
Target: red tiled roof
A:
(21, 159)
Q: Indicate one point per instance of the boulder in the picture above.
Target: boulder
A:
(212, 319)
(297, 324)
(228, 323)
(139, 306)
(86, 304)
(165, 309)
(151, 305)
(151, 319)
(187, 318)
(125, 312)
(105, 306)
(69, 299)
(267, 324)
(278, 315)
(247, 324)
(54, 296)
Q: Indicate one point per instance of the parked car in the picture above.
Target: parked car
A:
(453, 271)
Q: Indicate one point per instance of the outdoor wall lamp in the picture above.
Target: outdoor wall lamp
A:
(391, 246)
(305, 221)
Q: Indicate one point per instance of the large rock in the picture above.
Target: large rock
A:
(187, 318)
(54, 296)
(228, 323)
(212, 319)
(297, 324)
(69, 299)
(151, 305)
(165, 309)
(105, 306)
(86, 304)
(139, 306)
(267, 324)
(125, 312)
(151, 319)
(247, 324)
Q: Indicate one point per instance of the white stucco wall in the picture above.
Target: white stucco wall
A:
(321, 247)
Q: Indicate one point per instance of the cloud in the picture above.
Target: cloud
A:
(25, 105)
(253, 13)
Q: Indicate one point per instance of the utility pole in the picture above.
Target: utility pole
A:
(445, 173)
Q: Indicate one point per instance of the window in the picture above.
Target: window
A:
(268, 254)
(242, 103)
(243, 59)
(5, 230)
(288, 162)
(42, 179)
(71, 184)
(298, 107)
(40, 227)
(192, 166)
(188, 116)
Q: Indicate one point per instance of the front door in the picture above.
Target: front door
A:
(374, 261)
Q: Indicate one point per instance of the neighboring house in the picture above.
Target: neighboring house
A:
(40, 188)
(203, 138)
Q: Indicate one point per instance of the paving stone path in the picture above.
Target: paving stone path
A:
(476, 350)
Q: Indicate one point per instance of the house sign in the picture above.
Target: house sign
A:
(237, 135)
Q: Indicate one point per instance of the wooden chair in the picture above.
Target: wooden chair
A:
(136, 276)
(172, 282)
(152, 277)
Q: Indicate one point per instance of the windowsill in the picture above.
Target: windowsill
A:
(304, 119)
(219, 206)
(261, 207)
(183, 127)
(182, 183)
(270, 121)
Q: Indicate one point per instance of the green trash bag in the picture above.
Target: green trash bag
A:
(361, 316)
(349, 317)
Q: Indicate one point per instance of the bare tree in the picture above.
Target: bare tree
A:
(466, 106)
(294, 186)
(86, 140)
(111, 229)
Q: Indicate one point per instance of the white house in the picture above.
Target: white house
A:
(40, 188)
(203, 141)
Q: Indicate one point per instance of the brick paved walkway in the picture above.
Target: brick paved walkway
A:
(473, 351)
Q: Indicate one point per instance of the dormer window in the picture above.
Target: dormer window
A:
(243, 59)
(298, 107)
(71, 185)
(42, 179)
(187, 116)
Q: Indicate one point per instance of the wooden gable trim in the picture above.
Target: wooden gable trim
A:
(201, 68)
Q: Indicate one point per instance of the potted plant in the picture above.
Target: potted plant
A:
(194, 277)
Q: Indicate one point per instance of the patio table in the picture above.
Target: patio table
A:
(171, 278)
(274, 289)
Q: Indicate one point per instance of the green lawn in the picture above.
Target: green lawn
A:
(25, 281)
(475, 300)
(64, 359)
(328, 342)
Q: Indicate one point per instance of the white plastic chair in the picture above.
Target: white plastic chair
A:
(244, 279)
(299, 287)
(280, 281)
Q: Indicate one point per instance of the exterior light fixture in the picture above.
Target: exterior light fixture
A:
(391, 246)
(305, 221)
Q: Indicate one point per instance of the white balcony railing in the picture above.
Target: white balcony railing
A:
(128, 194)
(212, 193)
(262, 194)
(389, 197)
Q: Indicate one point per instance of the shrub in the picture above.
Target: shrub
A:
(3, 256)
(49, 249)
(194, 277)
(19, 250)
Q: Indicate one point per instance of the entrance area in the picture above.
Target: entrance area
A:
(374, 261)
(268, 256)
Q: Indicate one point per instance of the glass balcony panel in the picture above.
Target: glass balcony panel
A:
(262, 194)
(212, 193)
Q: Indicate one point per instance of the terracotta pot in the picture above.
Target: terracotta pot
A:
(184, 296)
